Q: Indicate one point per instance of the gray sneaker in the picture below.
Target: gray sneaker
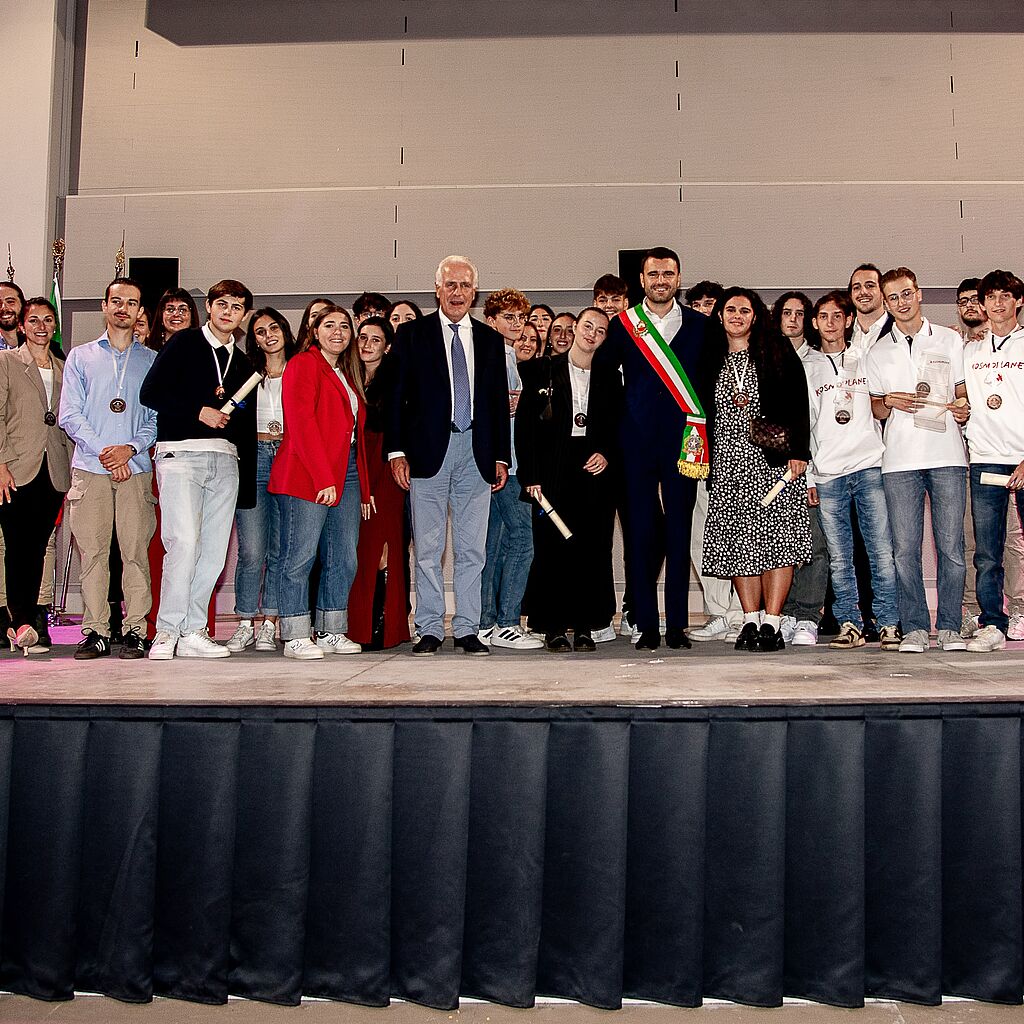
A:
(951, 640)
(915, 642)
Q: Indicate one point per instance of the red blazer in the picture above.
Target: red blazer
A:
(318, 432)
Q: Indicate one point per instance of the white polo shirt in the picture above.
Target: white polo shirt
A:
(845, 436)
(935, 358)
(994, 369)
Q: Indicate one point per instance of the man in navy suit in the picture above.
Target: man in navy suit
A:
(659, 498)
(449, 444)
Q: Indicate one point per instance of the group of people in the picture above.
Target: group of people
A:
(786, 453)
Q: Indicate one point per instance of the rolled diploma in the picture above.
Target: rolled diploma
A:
(240, 395)
(995, 479)
(554, 516)
(777, 489)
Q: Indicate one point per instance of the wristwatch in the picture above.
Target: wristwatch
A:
(135, 451)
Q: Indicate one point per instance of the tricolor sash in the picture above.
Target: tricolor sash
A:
(693, 455)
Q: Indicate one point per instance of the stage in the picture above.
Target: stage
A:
(698, 824)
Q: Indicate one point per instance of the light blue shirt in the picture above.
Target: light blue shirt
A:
(91, 376)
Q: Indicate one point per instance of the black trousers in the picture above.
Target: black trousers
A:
(27, 522)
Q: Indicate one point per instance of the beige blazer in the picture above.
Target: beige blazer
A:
(24, 434)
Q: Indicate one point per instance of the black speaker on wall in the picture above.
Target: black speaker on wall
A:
(630, 265)
(155, 275)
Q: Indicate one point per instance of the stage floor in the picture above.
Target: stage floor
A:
(711, 674)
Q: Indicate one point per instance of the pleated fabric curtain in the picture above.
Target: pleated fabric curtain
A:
(587, 853)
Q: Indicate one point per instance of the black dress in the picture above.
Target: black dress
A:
(571, 581)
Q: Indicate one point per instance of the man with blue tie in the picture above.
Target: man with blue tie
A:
(449, 444)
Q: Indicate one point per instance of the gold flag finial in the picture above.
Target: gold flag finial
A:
(120, 259)
(10, 265)
(58, 256)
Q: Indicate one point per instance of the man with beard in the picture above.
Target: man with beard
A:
(659, 346)
(970, 311)
(12, 299)
(871, 320)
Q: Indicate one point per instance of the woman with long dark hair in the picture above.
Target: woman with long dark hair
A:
(269, 344)
(176, 311)
(759, 430)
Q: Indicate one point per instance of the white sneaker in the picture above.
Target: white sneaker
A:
(198, 644)
(1015, 631)
(788, 628)
(968, 625)
(243, 637)
(602, 636)
(163, 647)
(988, 638)
(733, 632)
(337, 643)
(512, 638)
(484, 635)
(302, 649)
(626, 628)
(714, 629)
(951, 640)
(266, 637)
(915, 642)
(805, 634)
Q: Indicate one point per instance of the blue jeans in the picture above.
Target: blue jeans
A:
(305, 527)
(988, 510)
(198, 491)
(865, 490)
(946, 487)
(259, 543)
(509, 557)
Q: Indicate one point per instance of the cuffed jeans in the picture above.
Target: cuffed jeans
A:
(989, 506)
(946, 487)
(459, 486)
(198, 491)
(307, 527)
(259, 543)
(863, 489)
(509, 557)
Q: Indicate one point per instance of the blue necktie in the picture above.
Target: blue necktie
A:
(462, 417)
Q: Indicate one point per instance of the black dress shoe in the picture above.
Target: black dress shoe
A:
(677, 639)
(557, 643)
(471, 644)
(426, 645)
(583, 641)
(42, 624)
(132, 646)
(93, 646)
(747, 640)
(769, 639)
(650, 640)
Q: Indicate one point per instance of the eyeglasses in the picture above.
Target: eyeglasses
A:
(181, 310)
(514, 318)
(968, 300)
(904, 295)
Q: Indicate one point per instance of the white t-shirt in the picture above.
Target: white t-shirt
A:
(863, 340)
(270, 406)
(936, 361)
(995, 387)
(845, 436)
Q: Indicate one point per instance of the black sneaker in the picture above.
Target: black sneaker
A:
(93, 646)
(132, 646)
(471, 644)
(557, 643)
(583, 641)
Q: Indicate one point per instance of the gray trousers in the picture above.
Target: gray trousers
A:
(810, 581)
(459, 488)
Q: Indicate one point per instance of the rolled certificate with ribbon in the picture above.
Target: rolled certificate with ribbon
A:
(995, 479)
(556, 519)
(777, 489)
(241, 394)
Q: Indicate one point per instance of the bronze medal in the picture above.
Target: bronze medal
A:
(741, 399)
(924, 389)
(994, 401)
(843, 416)
(580, 419)
(50, 419)
(118, 405)
(275, 427)
(219, 392)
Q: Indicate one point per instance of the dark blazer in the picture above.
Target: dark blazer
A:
(652, 422)
(783, 394)
(542, 446)
(418, 417)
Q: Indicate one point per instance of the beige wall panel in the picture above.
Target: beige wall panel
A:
(207, 117)
(276, 242)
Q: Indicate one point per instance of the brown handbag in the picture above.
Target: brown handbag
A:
(772, 437)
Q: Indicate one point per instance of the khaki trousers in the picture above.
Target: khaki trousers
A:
(97, 504)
